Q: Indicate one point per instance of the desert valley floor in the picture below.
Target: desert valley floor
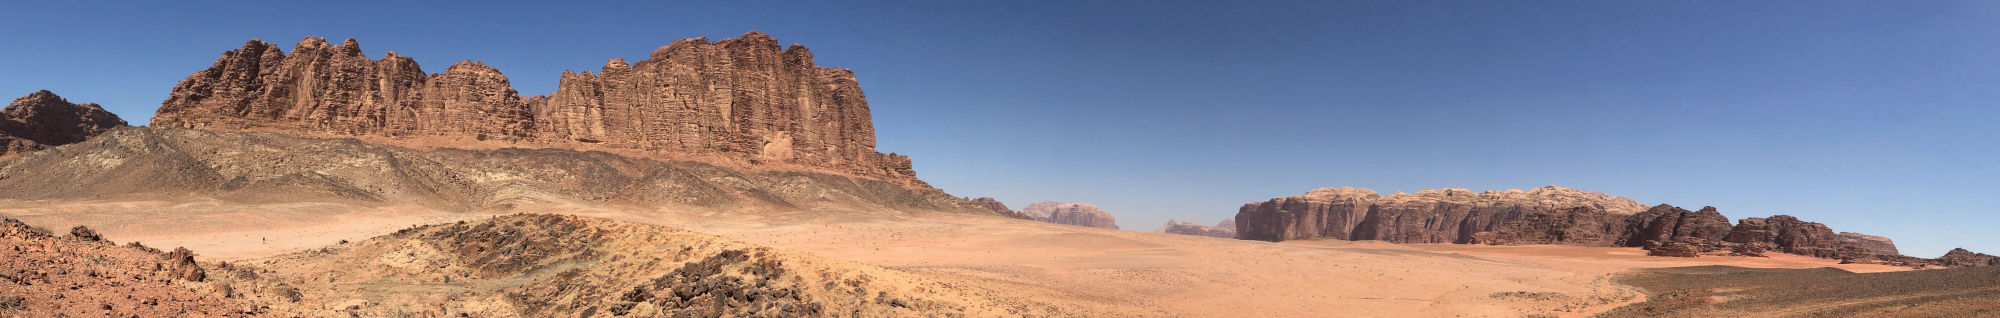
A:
(1023, 267)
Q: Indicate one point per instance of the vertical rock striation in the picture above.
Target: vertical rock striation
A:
(1079, 214)
(42, 119)
(742, 99)
(1428, 216)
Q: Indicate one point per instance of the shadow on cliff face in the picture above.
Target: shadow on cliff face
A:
(265, 167)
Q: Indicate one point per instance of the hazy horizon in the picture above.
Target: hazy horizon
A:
(1874, 118)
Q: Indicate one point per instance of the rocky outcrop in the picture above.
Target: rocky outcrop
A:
(1582, 225)
(1428, 216)
(999, 208)
(1875, 244)
(42, 119)
(1960, 257)
(1224, 229)
(742, 99)
(1787, 234)
(1079, 214)
(1665, 223)
(149, 163)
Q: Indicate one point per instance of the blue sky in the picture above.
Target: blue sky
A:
(1870, 116)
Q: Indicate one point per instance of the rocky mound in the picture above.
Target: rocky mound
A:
(1079, 214)
(1874, 244)
(82, 274)
(736, 100)
(999, 208)
(42, 119)
(546, 265)
(1428, 216)
(139, 162)
(1664, 224)
(1224, 229)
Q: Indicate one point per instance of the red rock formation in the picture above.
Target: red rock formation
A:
(1224, 229)
(1787, 234)
(1874, 244)
(999, 208)
(42, 119)
(1666, 223)
(1080, 214)
(1429, 216)
(1959, 257)
(1582, 225)
(740, 99)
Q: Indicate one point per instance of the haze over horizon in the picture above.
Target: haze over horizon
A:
(1869, 117)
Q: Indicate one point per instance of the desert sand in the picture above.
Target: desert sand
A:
(1077, 270)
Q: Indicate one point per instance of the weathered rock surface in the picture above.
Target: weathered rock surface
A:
(1876, 244)
(999, 208)
(1960, 257)
(1428, 216)
(1224, 229)
(1582, 225)
(42, 119)
(148, 163)
(737, 100)
(1079, 214)
(1787, 234)
(1666, 223)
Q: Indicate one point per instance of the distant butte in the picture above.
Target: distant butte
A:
(740, 100)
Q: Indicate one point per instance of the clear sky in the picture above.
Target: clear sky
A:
(1881, 117)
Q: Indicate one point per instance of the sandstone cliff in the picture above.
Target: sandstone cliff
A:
(1665, 224)
(1581, 225)
(1876, 244)
(42, 119)
(1080, 214)
(1224, 229)
(1428, 216)
(742, 99)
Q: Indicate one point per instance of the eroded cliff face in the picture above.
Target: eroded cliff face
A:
(1428, 216)
(1876, 244)
(741, 99)
(1079, 214)
(42, 119)
(1224, 229)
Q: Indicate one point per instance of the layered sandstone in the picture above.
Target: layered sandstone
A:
(1224, 229)
(742, 99)
(1079, 214)
(1582, 225)
(1876, 244)
(1428, 216)
(1666, 224)
(42, 119)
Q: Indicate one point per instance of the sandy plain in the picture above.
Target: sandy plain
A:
(1084, 271)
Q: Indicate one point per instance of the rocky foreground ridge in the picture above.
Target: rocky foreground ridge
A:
(149, 163)
(742, 99)
(42, 119)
